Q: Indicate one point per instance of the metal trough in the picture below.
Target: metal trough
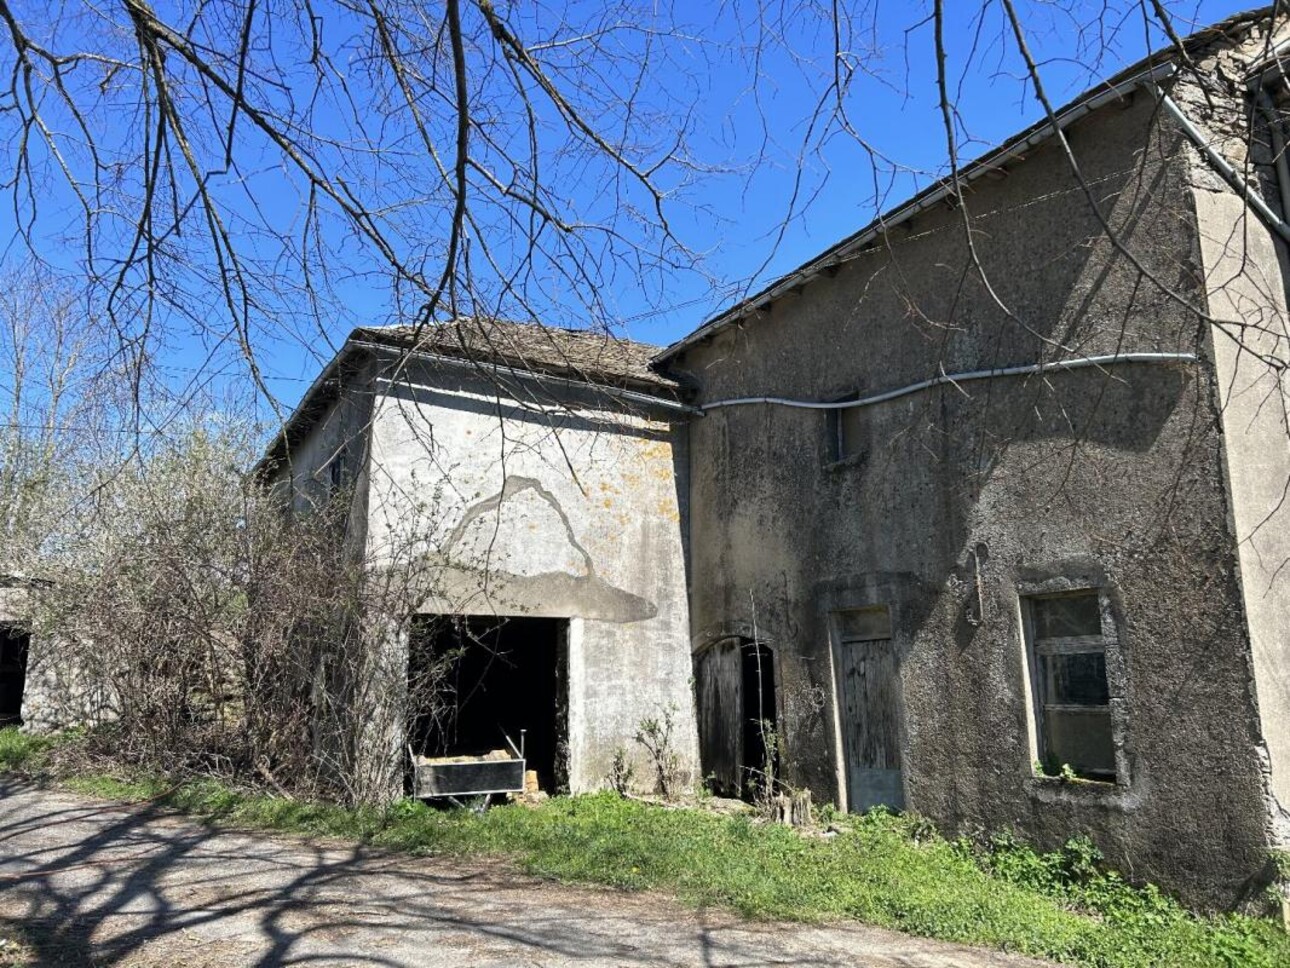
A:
(469, 777)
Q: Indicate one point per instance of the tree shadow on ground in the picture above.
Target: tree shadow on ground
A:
(89, 883)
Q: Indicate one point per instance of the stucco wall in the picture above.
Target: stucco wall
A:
(57, 693)
(1253, 417)
(1245, 278)
(1096, 478)
(566, 508)
(15, 604)
(337, 435)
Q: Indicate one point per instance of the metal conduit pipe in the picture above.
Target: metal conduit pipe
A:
(956, 378)
(1224, 167)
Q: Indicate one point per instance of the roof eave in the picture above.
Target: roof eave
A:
(302, 416)
(627, 394)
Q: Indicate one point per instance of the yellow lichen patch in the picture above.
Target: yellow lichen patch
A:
(656, 450)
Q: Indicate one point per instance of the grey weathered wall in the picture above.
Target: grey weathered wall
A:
(302, 473)
(15, 604)
(57, 693)
(1244, 264)
(561, 507)
(1103, 478)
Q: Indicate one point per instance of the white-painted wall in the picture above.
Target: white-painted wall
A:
(564, 508)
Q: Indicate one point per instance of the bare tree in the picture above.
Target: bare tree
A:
(240, 171)
(210, 629)
(518, 160)
(465, 157)
(56, 418)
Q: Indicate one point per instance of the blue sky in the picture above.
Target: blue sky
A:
(897, 112)
(750, 132)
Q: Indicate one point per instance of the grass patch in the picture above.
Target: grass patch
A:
(19, 750)
(15, 950)
(886, 870)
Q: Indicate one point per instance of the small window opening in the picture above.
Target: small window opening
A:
(14, 644)
(1067, 656)
(844, 429)
(338, 469)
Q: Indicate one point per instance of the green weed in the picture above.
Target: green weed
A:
(20, 750)
(885, 869)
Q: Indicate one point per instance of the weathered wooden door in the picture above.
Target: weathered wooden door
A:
(869, 695)
(718, 696)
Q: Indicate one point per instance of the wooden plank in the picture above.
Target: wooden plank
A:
(864, 624)
(1070, 645)
(719, 698)
(871, 727)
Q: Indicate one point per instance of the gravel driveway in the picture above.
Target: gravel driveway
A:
(89, 883)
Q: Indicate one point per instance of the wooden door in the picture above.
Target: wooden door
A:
(719, 699)
(869, 688)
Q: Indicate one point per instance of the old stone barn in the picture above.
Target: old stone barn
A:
(1006, 532)
(996, 534)
(534, 478)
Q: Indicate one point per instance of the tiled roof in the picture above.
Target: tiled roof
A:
(595, 357)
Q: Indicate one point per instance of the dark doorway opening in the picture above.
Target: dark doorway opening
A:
(735, 695)
(14, 643)
(476, 680)
(761, 749)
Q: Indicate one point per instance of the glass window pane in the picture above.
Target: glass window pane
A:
(1076, 680)
(1067, 616)
(1080, 739)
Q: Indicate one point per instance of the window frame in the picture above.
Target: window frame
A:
(834, 429)
(1107, 643)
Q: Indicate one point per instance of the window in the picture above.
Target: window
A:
(338, 469)
(1067, 637)
(845, 430)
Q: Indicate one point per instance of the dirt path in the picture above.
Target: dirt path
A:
(90, 883)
